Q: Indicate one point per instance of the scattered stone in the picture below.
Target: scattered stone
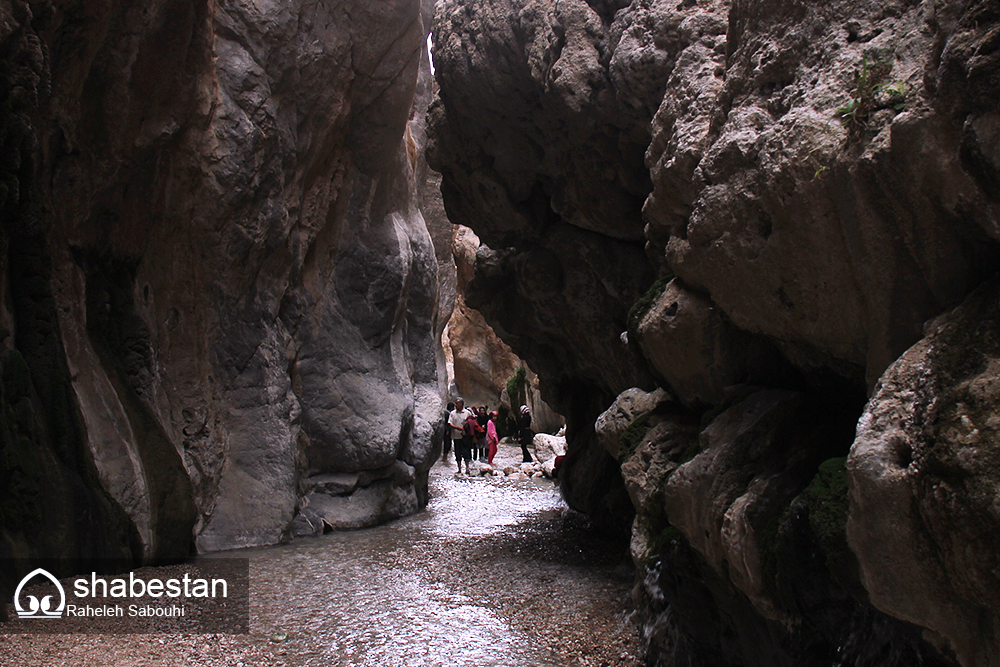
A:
(548, 446)
(479, 469)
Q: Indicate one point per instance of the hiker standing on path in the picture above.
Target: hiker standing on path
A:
(446, 448)
(525, 433)
(462, 441)
(492, 440)
(483, 419)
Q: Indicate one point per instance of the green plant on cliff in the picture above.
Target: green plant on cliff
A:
(517, 392)
(632, 436)
(516, 387)
(828, 506)
(503, 422)
(642, 306)
(872, 92)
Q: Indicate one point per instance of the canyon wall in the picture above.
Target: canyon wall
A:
(478, 364)
(754, 208)
(219, 294)
(484, 369)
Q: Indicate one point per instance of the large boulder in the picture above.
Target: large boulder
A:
(837, 233)
(697, 350)
(630, 405)
(923, 475)
(548, 447)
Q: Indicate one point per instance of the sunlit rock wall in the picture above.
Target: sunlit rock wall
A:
(219, 290)
(811, 183)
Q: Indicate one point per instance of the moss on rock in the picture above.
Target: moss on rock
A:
(828, 506)
(632, 436)
(642, 306)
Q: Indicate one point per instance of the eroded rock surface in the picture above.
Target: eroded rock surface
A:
(484, 369)
(547, 170)
(816, 181)
(923, 478)
(217, 270)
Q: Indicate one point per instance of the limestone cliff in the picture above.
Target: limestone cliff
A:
(484, 369)
(809, 183)
(219, 294)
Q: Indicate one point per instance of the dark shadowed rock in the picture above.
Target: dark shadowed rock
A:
(548, 172)
(923, 479)
(481, 363)
(821, 179)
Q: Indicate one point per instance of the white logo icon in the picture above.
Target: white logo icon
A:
(39, 608)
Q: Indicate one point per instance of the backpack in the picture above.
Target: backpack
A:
(473, 428)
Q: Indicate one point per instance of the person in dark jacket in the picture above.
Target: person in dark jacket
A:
(446, 448)
(483, 419)
(525, 434)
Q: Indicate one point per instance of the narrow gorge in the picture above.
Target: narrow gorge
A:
(748, 251)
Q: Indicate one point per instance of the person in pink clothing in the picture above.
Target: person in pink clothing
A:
(491, 437)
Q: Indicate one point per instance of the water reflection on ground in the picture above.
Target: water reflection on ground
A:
(492, 573)
(379, 597)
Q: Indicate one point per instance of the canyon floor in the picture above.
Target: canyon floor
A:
(492, 573)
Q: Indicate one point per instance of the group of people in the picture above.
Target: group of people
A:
(473, 433)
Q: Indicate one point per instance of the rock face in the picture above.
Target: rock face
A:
(484, 369)
(218, 283)
(836, 237)
(923, 479)
(809, 183)
(481, 363)
(549, 175)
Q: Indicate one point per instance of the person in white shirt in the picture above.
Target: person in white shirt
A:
(459, 437)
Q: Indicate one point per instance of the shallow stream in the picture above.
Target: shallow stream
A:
(493, 573)
(433, 589)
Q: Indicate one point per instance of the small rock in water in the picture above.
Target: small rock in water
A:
(279, 636)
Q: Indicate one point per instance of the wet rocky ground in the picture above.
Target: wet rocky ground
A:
(495, 572)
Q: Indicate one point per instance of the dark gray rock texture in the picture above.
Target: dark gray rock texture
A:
(923, 478)
(809, 183)
(216, 271)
